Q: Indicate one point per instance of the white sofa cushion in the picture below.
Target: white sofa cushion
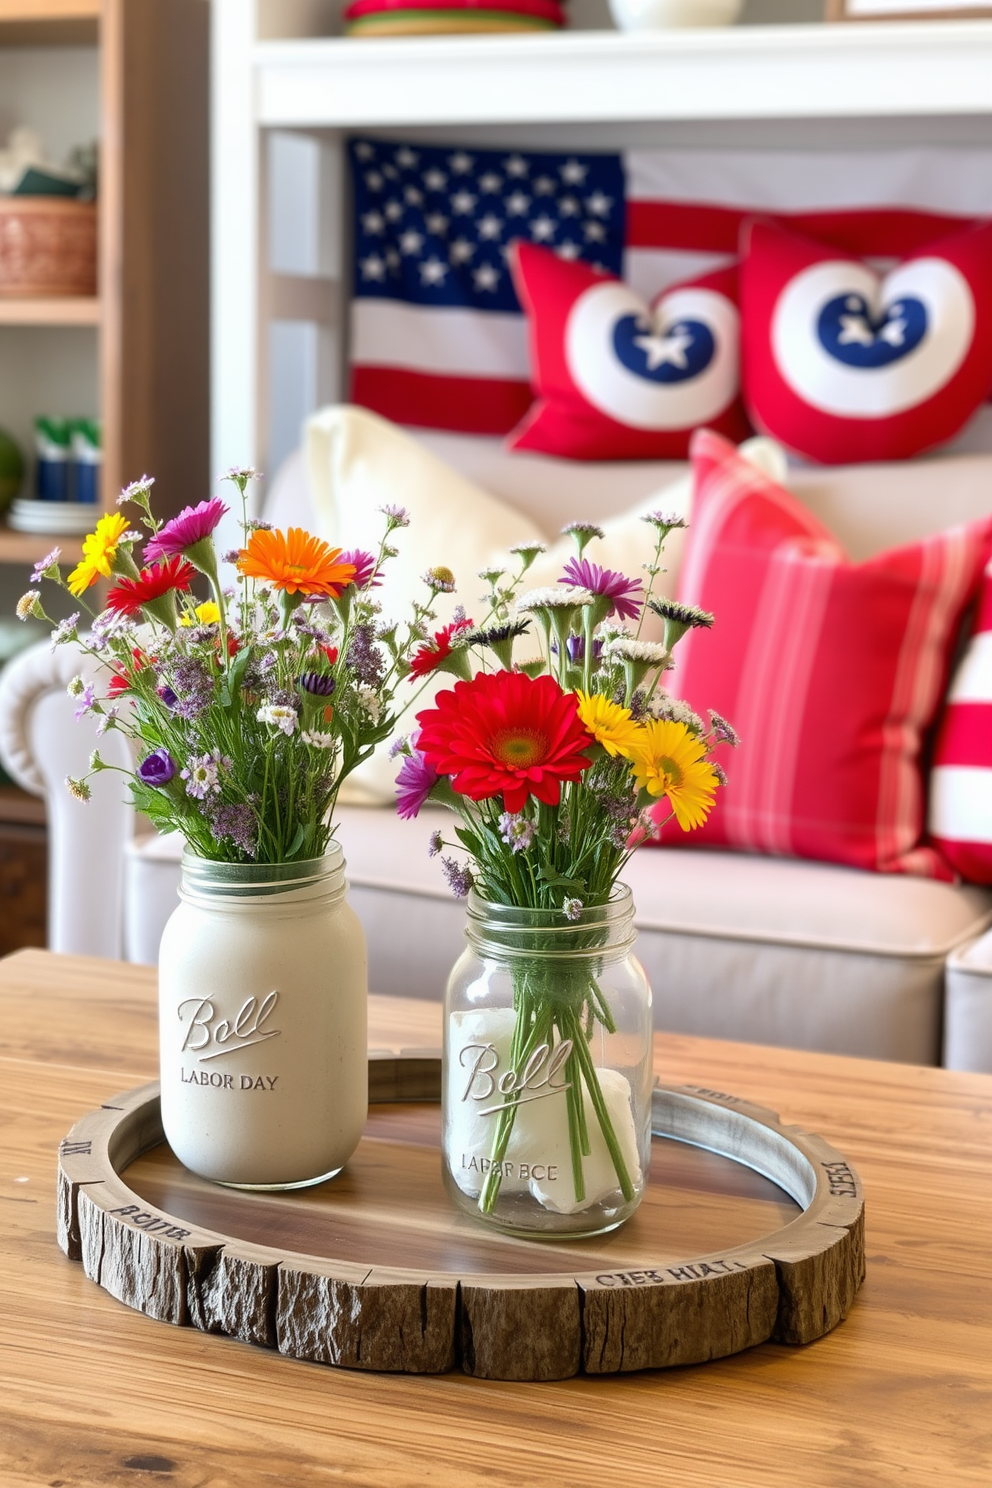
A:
(763, 949)
(968, 1007)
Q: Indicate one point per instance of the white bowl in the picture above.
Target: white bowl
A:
(662, 15)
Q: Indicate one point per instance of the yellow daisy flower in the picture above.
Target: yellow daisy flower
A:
(99, 552)
(669, 760)
(609, 723)
(206, 614)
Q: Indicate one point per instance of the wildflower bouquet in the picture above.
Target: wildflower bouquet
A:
(556, 765)
(247, 709)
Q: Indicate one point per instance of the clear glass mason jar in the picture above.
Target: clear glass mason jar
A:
(263, 1015)
(547, 1078)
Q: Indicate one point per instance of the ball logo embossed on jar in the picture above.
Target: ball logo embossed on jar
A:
(536, 1081)
(225, 1035)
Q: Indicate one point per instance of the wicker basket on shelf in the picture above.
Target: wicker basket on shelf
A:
(47, 247)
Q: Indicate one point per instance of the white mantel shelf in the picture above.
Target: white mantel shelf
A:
(754, 72)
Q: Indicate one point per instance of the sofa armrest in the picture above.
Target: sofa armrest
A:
(40, 744)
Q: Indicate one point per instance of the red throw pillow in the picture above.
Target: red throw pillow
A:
(845, 365)
(617, 379)
(831, 671)
(961, 778)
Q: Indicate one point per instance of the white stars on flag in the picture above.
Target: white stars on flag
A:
(433, 271)
(373, 268)
(599, 204)
(436, 225)
(486, 277)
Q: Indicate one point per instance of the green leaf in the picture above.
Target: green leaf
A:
(299, 837)
(470, 841)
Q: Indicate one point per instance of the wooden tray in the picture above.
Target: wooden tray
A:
(749, 1231)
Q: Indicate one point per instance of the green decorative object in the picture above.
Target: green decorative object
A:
(11, 470)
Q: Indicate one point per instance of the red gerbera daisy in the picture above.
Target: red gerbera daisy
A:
(123, 679)
(428, 657)
(506, 732)
(130, 595)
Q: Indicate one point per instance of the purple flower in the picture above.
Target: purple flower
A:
(201, 773)
(414, 783)
(364, 568)
(50, 560)
(459, 877)
(625, 593)
(236, 823)
(365, 658)
(575, 648)
(86, 700)
(317, 683)
(192, 526)
(157, 769)
(167, 695)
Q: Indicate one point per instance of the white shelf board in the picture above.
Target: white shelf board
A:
(754, 72)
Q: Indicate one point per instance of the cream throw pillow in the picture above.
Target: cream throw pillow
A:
(357, 462)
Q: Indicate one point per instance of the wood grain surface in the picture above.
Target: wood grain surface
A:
(900, 1394)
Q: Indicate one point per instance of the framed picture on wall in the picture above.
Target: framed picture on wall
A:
(906, 10)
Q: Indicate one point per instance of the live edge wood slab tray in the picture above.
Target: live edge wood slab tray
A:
(498, 1307)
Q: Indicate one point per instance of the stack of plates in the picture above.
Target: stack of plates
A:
(57, 517)
(436, 17)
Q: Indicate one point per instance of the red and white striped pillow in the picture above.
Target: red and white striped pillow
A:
(830, 671)
(961, 779)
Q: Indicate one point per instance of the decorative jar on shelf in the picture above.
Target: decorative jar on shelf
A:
(547, 1069)
(263, 1022)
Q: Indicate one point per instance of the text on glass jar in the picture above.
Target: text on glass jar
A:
(537, 1079)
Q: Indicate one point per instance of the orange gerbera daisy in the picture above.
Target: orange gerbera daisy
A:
(295, 561)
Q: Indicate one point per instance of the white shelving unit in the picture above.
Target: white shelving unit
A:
(803, 86)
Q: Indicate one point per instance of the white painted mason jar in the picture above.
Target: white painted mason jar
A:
(547, 1070)
(263, 1016)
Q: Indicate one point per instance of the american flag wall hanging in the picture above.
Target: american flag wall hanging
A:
(437, 335)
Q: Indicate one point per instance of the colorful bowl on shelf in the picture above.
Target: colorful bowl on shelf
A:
(441, 17)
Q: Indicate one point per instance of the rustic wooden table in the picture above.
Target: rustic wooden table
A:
(901, 1393)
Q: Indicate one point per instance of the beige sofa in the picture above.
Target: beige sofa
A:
(737, 946)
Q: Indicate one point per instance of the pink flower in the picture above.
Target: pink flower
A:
(625, 593)
(364, 566)
(414, 784)
(192, 526)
